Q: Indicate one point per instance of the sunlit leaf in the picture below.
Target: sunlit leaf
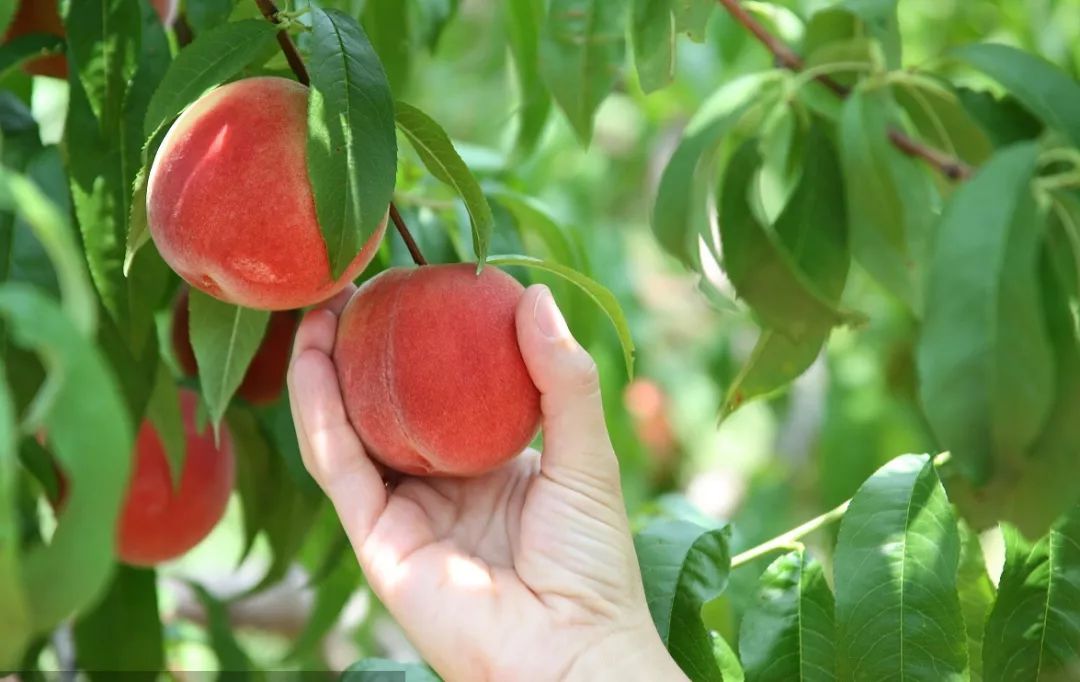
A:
(898, 615)
(788, 635)
(352, 148)
(1034, 628)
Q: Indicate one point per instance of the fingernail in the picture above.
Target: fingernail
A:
(549, 318)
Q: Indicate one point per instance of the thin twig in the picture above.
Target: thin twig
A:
(406, 236)
(292, 55)
(949, 166)
(789, 538)
(184, 34)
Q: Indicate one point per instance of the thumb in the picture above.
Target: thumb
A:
(575, 436)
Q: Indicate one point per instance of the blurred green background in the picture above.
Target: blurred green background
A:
(769, 466)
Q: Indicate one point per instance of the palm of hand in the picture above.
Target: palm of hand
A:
(462, 557)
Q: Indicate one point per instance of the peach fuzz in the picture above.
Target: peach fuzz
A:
(265, 377)
(230, 205)
(431, 373)
(160, 521)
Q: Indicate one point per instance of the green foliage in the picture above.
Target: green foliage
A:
(897, 610)
(352, 150)
(873, 156)
(225, 338)
(437, 152)
(684, 565)
(1032, 630)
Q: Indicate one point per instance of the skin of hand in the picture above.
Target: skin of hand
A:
(525, 573)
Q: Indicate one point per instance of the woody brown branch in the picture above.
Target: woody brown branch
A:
(946, 164)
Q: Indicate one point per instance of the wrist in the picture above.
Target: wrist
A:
(626, 656)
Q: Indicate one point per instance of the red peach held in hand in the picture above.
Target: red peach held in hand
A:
(230, 205)
(265, 377)
(431, 374)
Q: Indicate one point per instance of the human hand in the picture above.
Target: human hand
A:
(527, 572)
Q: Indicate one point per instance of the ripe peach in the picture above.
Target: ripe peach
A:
(430, 370)
(39, 16)
(230, 205)
(265, 377)
(43, 16)
(160, 521)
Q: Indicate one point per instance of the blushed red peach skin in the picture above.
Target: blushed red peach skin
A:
(230, 205)
(430, 371)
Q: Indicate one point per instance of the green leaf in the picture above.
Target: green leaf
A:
(890, 198)
(154, 62)
(163, 411)
(653, 33)
(386, 22)
(206, 15)
(684, 565)
(581, 53)
(898, 615)
(764, 273)
(597, 292)
(352, 148)
(679, 213)
(79, 397)
(15, 629)
(977, 595)
(1032, 492)
(430, 18)
(692, 17)
(22, 48)
(51, 228)
(1043, 88)
(812, 230)
(533, 218)
(363, 671)
(1004, 119)
(730, 668)
(122, 634)
(225, 337)
(103, 49)
(523, 21)
(258, 474)
(437, 152)
(986, 389)
(231, 656)
(789, 632)
(7, 13)
(941, 120)
(211, 59)
(852, 18)
(1034, 627)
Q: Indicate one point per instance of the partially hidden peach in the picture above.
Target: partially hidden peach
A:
(43, 16)
(431, 373)
(230, 205)
(39, 16)
(265, 377)
(159, 520)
